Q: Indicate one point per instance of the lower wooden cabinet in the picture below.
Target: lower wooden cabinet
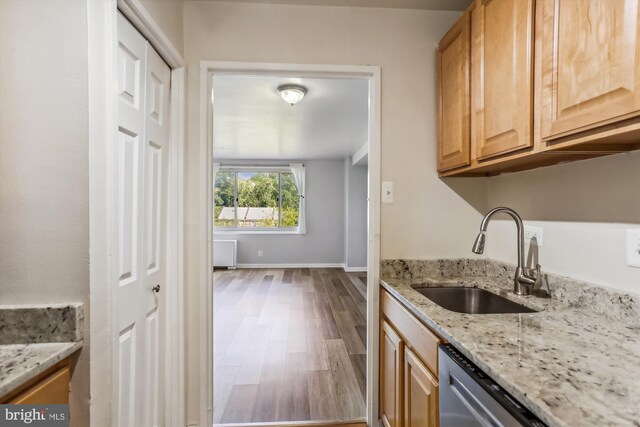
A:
(49, 388)
(420, 393)
(408, 368)
(391, 364)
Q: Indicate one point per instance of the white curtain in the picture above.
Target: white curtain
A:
(298, 175)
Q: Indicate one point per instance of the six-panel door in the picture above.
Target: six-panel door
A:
(139, 193)
(590, 64)
(454, 102)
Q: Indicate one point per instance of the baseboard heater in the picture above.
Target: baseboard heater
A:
(225, 253)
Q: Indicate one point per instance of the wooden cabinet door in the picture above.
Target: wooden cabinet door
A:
(53, 390)
(391, 355)
(502, 61)
(420, 393)
(454, 96)
(590, 64)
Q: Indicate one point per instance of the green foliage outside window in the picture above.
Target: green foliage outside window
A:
(264, 199)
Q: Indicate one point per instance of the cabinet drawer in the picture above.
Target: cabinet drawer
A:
(53, 389)
(416, 336)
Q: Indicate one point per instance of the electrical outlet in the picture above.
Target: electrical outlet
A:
(530, 232)
(260, 253)
(633, 247)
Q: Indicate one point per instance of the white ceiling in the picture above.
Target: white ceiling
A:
(396, 4)
(251, 121)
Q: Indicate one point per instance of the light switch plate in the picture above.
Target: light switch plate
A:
(387, 192)
(633, 247)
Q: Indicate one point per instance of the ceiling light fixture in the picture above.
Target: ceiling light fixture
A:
(292, 94)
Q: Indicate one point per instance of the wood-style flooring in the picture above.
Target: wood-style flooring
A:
(289, 345)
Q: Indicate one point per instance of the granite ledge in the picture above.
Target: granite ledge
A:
(41, 323)
(20, 363)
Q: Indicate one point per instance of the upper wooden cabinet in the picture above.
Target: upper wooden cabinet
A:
(502, 76)
(591, 64)
(551, 81)
(454, 100)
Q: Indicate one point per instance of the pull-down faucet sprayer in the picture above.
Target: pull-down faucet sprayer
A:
(525, 278)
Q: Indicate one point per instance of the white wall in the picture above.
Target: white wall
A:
(429, 219)
(323, 242)
(168, 14)
(355, 236)
(584, 208)
(44, 166)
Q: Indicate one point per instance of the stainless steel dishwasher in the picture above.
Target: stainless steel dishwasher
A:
(469, 398)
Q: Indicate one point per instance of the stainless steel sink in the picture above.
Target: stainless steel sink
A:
(472, 300)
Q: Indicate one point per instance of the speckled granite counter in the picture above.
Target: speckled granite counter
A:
(21, 362)
(35, 338)
(576, 362)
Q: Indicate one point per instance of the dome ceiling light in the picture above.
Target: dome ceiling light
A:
(292, 94)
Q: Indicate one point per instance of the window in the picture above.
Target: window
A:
(256, 200)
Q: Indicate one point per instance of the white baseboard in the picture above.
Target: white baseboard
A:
(272, 266)
(316, 265)
(355, 269)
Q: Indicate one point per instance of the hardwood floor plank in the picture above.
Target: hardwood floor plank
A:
(309, 305)
(223, 382)
(294, 400)
(322, 396)
(359, 363)
(359, 284)
(328, 322)
(349, 400)
(296, 335)
(317, 350)
(288, 276)
(268, 396)
(359, 317)
(226, 322)
(339, 285)
(240, 344)
(289, 346)
(240, 404)
(348, 332)
(224, 281)
(335, 291)
(362, 333)
(253, 358)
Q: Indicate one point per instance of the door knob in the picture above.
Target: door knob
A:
(156, 289)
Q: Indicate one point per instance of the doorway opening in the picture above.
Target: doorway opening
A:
(294, 243)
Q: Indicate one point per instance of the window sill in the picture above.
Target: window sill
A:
(269, 232)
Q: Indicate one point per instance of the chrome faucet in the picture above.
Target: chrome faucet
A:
(525, 279)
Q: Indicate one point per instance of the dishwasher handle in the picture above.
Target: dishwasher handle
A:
(477, 409)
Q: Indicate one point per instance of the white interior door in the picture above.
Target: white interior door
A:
(140, 199)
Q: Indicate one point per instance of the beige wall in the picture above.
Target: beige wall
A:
(44, 167)
(429, 218)
(584, 209)
(168, 15)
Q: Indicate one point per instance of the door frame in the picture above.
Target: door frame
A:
(207, 70)
(102, 106)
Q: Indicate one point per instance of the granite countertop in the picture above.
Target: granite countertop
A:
(35, 338)
(570, 365)
(21, 362)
